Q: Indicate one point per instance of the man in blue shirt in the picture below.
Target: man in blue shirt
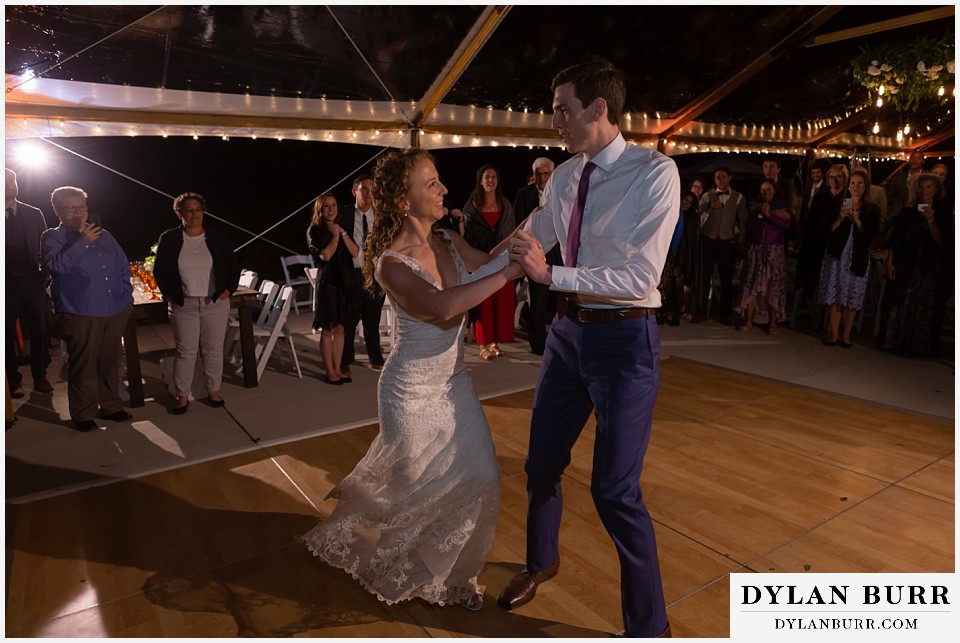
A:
(93, 297)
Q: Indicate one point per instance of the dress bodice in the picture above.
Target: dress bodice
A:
(421, 340)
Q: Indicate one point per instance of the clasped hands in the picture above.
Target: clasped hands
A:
(526, 254)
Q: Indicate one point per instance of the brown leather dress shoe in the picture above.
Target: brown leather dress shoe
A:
(42, 385)
(523, 587)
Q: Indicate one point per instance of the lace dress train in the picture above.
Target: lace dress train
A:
(418, 514)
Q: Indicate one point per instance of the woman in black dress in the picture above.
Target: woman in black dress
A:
(333, 251)
(920, 239)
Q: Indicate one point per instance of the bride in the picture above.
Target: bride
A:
(418, 514)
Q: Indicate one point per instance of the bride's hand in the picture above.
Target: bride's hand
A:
(513, 270)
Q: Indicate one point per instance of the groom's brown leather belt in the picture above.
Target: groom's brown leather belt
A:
(599, 315)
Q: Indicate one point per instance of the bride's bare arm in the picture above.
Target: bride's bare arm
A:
(473, 258)
(423, 300)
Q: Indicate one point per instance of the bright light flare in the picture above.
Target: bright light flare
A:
(31, 155)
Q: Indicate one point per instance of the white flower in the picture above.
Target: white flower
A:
(873, 71)
(921, 67)
(933, 75)
(950, 66)
(936, 68)
(874, 62)
(885, 67)
(899, 79)
(894, 90)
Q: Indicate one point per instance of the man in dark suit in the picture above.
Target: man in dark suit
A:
(542, 300)
(902, 187)
(358, 221)
(25, 289)
(814, 186)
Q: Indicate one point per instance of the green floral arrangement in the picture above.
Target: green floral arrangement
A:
(148, 261)
(905, 75)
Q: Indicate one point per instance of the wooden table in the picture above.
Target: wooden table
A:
(244, 300)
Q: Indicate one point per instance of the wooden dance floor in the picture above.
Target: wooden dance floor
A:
(743, 474)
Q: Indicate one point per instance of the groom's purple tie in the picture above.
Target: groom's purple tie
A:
(573, 231)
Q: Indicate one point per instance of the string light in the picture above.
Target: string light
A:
(941, 91)
(876, 128)
(881, 90)
(879, 102)
(906, 128)
(899, 135)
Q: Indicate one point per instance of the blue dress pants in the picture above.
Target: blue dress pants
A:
(613, 367)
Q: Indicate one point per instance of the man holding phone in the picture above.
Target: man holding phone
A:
(93, 297)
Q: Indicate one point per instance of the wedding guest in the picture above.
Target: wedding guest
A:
(671, 279)
(196, 271)
(723, 211)
(543, 301)
(357, 220)
(765, 266)
(93, 297)
(843, 278)
(488, 221)
(902, 186)
(824, 209)
(25, 285)
(333, 251)
(691, 256)
(696, 186)
(918, 244)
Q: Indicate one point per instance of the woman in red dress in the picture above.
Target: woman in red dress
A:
(488, 218)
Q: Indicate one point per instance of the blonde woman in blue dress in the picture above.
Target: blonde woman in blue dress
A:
(417, 516)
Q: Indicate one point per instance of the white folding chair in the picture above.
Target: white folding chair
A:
(248, 279)
(293, 282)
(388, 323)
(267, 296)
(275, 328)
(313, 275)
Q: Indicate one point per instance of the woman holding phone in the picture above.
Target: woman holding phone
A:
(919, 241)
(843, 277)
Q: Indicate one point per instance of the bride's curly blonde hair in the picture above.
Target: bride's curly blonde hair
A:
(391, 184)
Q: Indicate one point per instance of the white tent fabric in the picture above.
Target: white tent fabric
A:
(41, 107)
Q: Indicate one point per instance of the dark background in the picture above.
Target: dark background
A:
(256, 183)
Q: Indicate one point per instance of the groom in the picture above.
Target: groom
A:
(612, 208)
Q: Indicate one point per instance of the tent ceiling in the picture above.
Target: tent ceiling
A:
(735, 77)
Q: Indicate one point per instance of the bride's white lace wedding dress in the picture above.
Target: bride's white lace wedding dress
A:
(418, 514)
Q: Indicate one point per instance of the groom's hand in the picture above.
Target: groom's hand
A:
(526, 250)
